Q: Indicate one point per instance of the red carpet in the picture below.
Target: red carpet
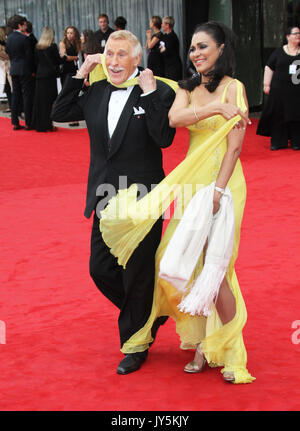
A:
(62, 345)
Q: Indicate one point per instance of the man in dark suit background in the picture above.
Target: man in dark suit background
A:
(19, 50)
(127, 130)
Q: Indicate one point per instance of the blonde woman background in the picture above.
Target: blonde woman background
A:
(47, 61)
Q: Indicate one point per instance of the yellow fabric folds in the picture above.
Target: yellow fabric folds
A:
(125, 222)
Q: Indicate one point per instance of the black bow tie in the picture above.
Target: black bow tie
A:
(113, 88)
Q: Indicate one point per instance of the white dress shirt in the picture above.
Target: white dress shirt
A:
(116, 105)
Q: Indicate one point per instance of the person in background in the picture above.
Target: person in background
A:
(29, 33)
(19, 50)
(89, 45)
(47, 61)
(120, 23)
(154, 37)
(280, 118)
(5, 78)
(69, 49)
(104, 30)
(170, 50)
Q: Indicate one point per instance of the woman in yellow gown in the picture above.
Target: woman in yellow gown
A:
(213, 155)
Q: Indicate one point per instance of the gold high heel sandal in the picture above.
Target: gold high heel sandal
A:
(228, 376)
(193, 366)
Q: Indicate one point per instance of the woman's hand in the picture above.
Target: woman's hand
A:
(89, 64)
(216, 201)
(147, 81)
(229, 111)
(267, 89)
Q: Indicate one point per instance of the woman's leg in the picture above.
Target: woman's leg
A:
(226, 308)
(225, 303)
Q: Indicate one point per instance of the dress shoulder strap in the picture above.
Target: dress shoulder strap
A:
(240, 102)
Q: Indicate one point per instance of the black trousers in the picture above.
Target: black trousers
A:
(7, 91)
(131, 290)
(284, 132)
(23, 87)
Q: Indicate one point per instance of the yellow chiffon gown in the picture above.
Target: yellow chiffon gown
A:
(222, 345)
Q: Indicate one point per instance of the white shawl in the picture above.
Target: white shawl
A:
(197, 225)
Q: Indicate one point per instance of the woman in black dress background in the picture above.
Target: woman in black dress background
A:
(69, 47)
(47, 61)
(170, 50)
(280, 118)
(155, 59)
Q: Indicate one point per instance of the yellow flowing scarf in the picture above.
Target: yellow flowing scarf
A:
(100, 73)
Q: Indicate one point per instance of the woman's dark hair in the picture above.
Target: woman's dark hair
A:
(91, 44)
(224, 64)
(290, 29)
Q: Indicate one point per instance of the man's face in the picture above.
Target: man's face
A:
(120, 62)
(103, 24)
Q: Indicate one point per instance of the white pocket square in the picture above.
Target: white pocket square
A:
(138, 111)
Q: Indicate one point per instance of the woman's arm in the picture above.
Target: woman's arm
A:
(268, 75)
(62, 49)
(182, 115)
(234, 146)
(63, 53)
(151, 43)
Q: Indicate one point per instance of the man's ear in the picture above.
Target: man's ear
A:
(137, 60)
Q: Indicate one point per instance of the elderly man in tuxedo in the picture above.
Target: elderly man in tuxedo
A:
(127, 129)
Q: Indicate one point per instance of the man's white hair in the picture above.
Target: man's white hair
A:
(127, 35)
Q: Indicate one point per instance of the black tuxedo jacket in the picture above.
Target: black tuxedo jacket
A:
(19, 49)
(134, 150)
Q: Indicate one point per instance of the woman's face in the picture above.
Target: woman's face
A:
(82, 38)
(204, 52)
(151, 24)
(294, 37)
(70, 34)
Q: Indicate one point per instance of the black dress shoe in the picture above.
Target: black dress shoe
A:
(18, 127)
(274, 148)
(296, 148)
(132, 362)
(28, 128)
(157, 323)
